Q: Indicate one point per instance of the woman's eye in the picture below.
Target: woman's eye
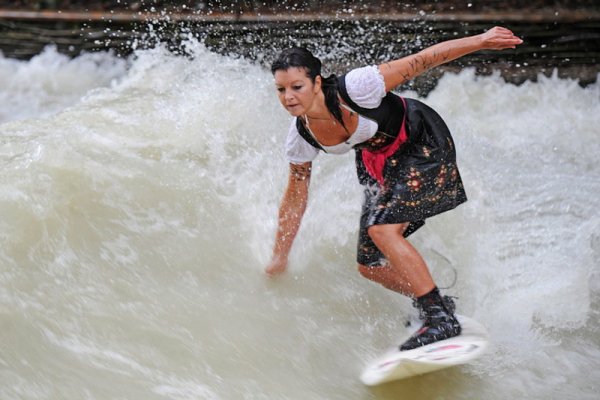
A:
(296, 87)
(280, 90)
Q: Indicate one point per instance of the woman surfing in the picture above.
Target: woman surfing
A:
(405, 160)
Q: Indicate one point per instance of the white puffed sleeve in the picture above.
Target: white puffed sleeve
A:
(366, 86)
(298, 150)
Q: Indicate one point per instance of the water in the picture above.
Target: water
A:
(138, 201)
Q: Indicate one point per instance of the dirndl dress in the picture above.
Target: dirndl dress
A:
(420, 180)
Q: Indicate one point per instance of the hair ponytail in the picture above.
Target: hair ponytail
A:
(332, 101)
(300, 57)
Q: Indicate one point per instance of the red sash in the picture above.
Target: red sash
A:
(375, 160)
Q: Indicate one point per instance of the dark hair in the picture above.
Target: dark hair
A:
(300, 57)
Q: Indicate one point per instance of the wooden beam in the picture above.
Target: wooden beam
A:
(504, 16)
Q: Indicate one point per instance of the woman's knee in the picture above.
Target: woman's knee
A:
(365, 271)
(377, 233)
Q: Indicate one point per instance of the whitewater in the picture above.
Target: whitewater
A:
(138, 203)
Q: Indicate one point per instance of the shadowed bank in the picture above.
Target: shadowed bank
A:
(561, 36)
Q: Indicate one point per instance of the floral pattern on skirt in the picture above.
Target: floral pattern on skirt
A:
(421, 179)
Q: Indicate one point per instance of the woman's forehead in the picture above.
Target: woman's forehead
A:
(291, 74)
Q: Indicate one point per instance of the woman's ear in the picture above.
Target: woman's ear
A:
(318, 81)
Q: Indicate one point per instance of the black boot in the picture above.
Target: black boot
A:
(439, 322)
(447, 300)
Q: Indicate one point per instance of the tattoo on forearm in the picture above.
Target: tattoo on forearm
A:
(300, 172)
(408, 67)
(413, 65)
(425, 61)
(441, 56)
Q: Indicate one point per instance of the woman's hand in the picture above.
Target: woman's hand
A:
(499, 38)
(291, 211)
(277, 266)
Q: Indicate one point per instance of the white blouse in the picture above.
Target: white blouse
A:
(366, 88)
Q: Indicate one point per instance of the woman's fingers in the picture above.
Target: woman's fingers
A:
(276, 267)
(499, 38)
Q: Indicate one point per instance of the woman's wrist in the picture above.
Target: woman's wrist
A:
(279, 257)
(479, 41)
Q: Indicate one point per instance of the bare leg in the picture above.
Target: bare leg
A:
(406, 271)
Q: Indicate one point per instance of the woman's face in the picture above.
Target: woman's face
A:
(296, 91)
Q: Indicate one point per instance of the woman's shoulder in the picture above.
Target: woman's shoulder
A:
(365, 86)
(297, 149)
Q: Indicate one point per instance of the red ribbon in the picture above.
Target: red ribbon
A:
(375, 161)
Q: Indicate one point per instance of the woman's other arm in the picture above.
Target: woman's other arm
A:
(399, 71)
(291, 211)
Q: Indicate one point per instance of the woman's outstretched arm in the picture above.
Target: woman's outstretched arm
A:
(399, 71)
(291, 211)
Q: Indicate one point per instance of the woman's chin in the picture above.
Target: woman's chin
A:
(294, 111)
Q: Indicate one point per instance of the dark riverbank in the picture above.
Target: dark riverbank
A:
(556, 38)
(301, 6)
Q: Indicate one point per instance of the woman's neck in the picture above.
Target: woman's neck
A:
(318, 108)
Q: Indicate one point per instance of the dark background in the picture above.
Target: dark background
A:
(561, 36)
(299, 5)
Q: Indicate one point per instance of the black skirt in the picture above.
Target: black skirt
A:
(421, 179)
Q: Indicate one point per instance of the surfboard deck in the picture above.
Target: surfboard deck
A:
(396, 364)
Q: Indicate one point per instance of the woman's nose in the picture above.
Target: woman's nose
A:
(289, 95)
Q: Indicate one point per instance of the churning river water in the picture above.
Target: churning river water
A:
(137, 211)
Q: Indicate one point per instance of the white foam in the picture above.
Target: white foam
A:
(153, 199)
(50, 82)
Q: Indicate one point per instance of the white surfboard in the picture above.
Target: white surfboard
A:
(396, 364)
